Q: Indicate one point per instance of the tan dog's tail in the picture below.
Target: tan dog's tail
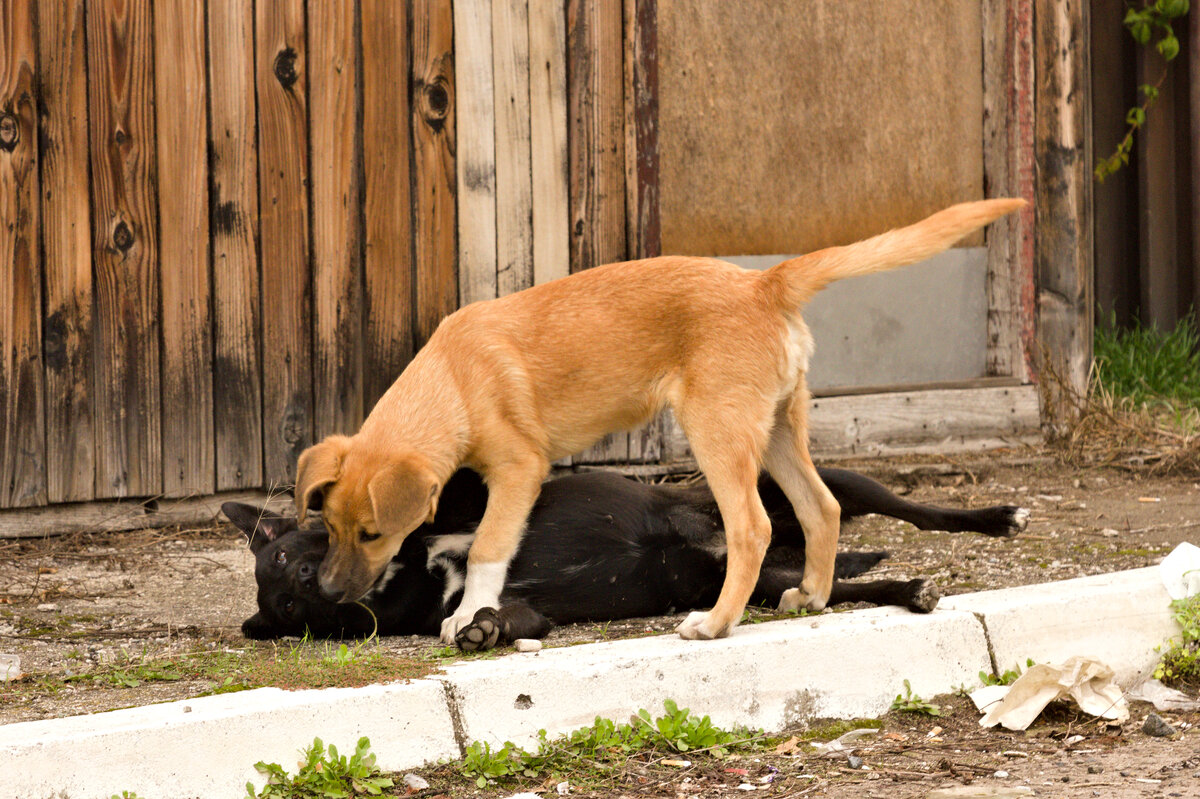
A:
(797, 280)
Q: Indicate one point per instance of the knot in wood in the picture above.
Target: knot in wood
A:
(122, 236)
(435, 101)
(285, 68)
(10, 132)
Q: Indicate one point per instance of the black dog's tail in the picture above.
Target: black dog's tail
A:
(852, 564)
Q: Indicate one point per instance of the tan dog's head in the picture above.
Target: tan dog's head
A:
(370, 501)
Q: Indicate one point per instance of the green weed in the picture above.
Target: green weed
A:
(1150, 367)
(324, 774)
(911, 703)
(1006, 678)
(1180, 664)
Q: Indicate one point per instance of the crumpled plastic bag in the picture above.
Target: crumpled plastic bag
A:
(1086, 680)
(843, 743)
(1162, 697)
(1180, 571)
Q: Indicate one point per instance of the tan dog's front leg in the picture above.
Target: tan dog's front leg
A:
(512, 491)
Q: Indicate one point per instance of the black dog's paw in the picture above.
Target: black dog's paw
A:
(482, 633)
(1005, 521)
(923, 595)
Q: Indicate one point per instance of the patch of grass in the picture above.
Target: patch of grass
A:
(837, 728)
(1180, 664)
(1148, 366)
(911, 703)
(324, 774)
(596, 751)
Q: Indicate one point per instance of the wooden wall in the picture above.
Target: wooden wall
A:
(235, 222)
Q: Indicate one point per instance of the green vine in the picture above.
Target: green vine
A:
(1142, 24)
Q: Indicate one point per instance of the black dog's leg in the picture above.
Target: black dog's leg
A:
(859, 495)
(491, 627)
(919, 596)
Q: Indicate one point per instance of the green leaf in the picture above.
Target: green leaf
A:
(1168, 46)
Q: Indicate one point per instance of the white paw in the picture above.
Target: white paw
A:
(451, 626)
(794, 599)
(699, 626)
(1020, 519)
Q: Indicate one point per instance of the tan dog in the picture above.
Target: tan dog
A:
(508, 385)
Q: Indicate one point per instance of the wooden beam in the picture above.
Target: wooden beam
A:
(1008, 166)
(128, 411)
(387, 185)
(514, 189)
(281, 81)
(335, 162)
(435, 254)
(181, 119)
(1064, 201)
(548, 139)
(22, 436)
(475, 155)
(233, 215)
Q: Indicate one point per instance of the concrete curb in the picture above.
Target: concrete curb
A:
(770, 676)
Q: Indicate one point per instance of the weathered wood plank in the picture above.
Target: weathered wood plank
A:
(1064, 199)
(125, 250)
(548, 139)
(336, 214)
(387, 143)
(67, 248)
(514, 188)
(181, 116)
(596, 154)
(280, 78)
(22, 437)
(1008, 172)
(233, 215)
(931, 420)
(110, 516)
(435, 222)
(475, 157)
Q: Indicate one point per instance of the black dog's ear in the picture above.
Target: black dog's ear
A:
(260, 525)
(257, 628)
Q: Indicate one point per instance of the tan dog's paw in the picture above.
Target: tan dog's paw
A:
(794, 599)
(698, 626)
(452, 624)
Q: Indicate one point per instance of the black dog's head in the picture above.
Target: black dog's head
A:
(286, 562)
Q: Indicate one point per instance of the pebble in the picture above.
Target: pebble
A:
(1157, 727)
(47, 606)
(1095, 769)
(415, 782)
(855, 761)
(527, 645)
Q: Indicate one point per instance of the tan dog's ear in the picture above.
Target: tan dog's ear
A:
(319, 465)
(404, 495)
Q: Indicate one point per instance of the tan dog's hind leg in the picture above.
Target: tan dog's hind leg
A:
(789, 463)
(730, 462)
(513, 489)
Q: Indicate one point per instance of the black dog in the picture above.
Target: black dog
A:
(598, 547)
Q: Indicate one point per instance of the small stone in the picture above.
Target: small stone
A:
(855, 761)
(47, 606)
(1095, 769)
(1157, 727)
(1000, 775)
(527, 645)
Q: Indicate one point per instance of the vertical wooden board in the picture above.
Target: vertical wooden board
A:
(548, 139)
(434, 215)
(387, 143)
(1064, 209)
(23, 456)
(1008, 172)
(596, 153)
(125, 249)
(233, 215)
(643, 231)
(1193, 61)
(514, 189)
(283, 228)
(336, 215)
(475, 153)
(67, 251)
(180, 103)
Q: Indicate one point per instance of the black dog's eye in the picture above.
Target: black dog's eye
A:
(289, 607)
(365, 536)
(280, 556)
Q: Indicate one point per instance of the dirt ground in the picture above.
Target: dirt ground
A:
(107, 621)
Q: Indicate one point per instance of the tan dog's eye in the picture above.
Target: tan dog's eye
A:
(364, 536)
